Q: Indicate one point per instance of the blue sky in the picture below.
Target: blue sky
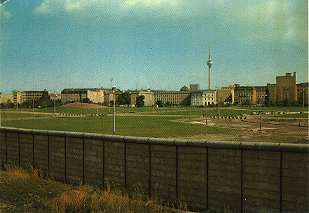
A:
(157, 44)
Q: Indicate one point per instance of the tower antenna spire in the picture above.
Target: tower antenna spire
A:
(209, 64)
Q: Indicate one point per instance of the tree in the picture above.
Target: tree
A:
(168, 104)
(86, 100)
(9, 104)
(124, 99)
(159, 103)
(45, 101)
(140, 101)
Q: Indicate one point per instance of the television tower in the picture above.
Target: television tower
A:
(209, 64)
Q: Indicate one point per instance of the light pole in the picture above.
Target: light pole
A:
(217, 97)
(260, 120)
(303, 92)
(55, 103)
(98, 102)
(206, 122)
(114, 110)
(55, 97)
(33, 107)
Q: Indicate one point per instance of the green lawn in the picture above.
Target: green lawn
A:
(13, 115)
(144, 121)
(168, 110)
(148, 126)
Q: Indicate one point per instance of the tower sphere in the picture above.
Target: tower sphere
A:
(209, 63)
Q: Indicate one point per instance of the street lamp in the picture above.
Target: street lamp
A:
(55, 97)
(97, 91)
(217, 97)
(303, 93)
(260, 120)
(33, 106)
(55, 103)
(114, 110)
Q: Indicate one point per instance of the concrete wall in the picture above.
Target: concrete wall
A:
(240, 177)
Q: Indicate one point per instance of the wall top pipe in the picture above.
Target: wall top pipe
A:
(262, 146)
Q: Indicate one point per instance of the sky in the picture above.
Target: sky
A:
(156, 44)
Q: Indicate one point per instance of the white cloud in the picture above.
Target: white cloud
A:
(253, 20)
(55, 6)
(4, 14)
(72, 5)
(274, 20)
(49, 6)
(150, 3)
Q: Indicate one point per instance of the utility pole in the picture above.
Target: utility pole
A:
(33, 107)
(114, 110)
(206, 122)
(260, 120)
(98, 102)
(303, 100)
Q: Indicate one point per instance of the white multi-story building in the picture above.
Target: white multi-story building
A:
(203, 98)
(20, 97)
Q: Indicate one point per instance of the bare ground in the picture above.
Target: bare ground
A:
(271, 130)
(85, 105)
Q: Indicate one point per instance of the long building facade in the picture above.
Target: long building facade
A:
(285, 91)
(176, 98)
(20, 97)
(95, 95)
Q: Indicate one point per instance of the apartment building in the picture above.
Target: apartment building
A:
(302, 93)
(204, 98)
(95, 95)
(20, 97)
(175, 98)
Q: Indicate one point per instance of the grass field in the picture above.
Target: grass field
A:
(232, 111)
(148, 126)
(168, 122)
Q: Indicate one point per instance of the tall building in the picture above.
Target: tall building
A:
(284, 91)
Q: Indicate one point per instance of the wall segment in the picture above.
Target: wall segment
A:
(239, 176)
